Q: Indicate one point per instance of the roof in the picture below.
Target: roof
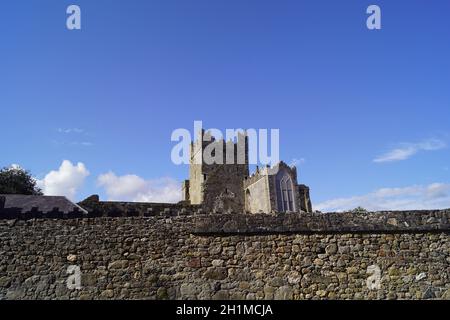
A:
(42, 203)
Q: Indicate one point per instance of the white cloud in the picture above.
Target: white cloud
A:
(433, 196)
(65, 181)
(73, 143)
(70, 130)
(83, 144)
(406, 150)
(135, 188)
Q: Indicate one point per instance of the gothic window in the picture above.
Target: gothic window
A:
(285, 193)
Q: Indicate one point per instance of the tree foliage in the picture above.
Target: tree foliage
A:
(15, 180)
(360, 210)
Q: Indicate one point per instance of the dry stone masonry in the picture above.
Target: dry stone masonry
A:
(386, 255)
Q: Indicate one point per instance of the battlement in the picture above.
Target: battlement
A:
(233, 152)
(98, 208)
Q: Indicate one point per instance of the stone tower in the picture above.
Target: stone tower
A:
(219, 180)
(216, 173)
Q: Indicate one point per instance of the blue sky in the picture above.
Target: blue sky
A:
(109, 96)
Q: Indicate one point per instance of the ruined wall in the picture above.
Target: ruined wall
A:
(262, 190)
(185, 191)
(229, 256)
(257, 194)
(212, 184)
(223, 189)
(304, 198)
(196, 179)
(99, 208)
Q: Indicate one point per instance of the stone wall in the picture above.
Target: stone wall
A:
(257, 194)
(99, 208)
(390, 255)
(223, 190)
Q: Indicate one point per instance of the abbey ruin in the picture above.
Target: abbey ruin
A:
(222, 186)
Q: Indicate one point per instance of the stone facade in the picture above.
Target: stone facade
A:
(276, 190)
(217, 186)
(386, 255)
(304, 198)
(224, 187)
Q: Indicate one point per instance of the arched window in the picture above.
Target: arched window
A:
(285, 193)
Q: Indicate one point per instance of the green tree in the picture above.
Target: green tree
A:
(15, 180)
(360, 210)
